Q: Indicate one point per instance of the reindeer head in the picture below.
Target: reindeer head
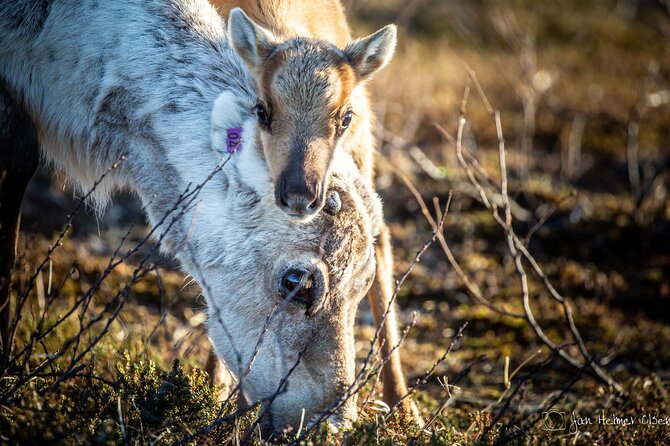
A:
(283, 300)
(304, 108)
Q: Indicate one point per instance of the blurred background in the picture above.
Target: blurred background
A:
(583, 91)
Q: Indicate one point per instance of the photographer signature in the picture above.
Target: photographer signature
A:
(555, 420)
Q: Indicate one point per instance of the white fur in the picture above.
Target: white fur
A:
(256, 174)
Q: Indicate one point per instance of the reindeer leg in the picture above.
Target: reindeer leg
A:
(379, 297)
(19, 156)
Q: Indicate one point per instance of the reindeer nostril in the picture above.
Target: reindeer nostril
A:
(293, 280)
(281, 196)
(298, 198)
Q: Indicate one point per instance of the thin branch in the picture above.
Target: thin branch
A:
(518, 250)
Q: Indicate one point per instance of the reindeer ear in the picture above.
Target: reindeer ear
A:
(252, 42)
(372, 53)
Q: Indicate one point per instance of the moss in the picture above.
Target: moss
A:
(142, 404)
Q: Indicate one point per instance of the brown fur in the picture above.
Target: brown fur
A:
(307, 86)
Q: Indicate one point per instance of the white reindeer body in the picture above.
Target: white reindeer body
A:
(156, 82)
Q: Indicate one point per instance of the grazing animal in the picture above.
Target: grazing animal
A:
(312, 102)
(326, 266)
(158, 84)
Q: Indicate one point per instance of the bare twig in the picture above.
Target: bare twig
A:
(424, 379)
(518, 251)
(472, 287)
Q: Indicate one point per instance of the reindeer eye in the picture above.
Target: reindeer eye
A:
(263, 115)
(346, 119)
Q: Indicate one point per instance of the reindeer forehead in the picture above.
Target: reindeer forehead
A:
(308, 74)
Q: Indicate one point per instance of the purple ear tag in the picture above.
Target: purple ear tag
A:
(234, 140)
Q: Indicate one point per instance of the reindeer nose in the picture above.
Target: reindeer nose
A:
(302, 286)
(298, 199)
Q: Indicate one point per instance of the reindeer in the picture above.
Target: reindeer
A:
(312, 103)
(324, 267)
(158, 85)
